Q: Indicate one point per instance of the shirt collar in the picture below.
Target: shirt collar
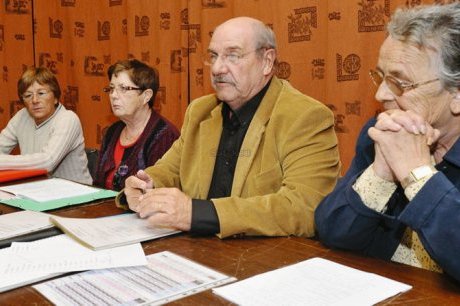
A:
(245, 113)
(51, 117)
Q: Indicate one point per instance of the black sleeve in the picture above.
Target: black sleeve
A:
(204, 218)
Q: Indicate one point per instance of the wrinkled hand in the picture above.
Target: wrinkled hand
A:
(396, 119)
(166, 207)
(135, 186)
(402, 143)
(403, 151)
(380, 166)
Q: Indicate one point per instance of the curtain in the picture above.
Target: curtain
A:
(325, 49)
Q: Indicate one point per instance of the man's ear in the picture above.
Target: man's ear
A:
(269, 61)
(148, 93)
(455, 103)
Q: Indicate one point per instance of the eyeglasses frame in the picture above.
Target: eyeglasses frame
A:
(37, 93)
(400, 85)
(224, 57)
(124, 89)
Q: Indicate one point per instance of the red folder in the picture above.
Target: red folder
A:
(11, 175)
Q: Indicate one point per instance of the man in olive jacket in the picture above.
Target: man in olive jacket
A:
(255, 158)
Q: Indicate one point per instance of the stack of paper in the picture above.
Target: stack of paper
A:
(27, 262)
(23, 222)
(25, 226)
(167, 277)
(315, 281)
(51, 193)
(108, 232)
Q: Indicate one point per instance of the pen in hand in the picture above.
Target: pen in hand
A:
(146, 179)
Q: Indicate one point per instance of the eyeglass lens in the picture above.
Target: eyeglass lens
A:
(120, 89)
(30, 95)
(392, 84)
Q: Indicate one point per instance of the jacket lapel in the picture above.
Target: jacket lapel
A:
(210, 132)
(254, 135)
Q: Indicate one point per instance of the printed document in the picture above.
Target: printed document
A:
(315, 281)
(166, 278)
(49, 190)
(21, 279)
(62, 254)
(107, 232)
(28, 262)
(23, 222)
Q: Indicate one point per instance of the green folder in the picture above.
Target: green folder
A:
(31, 204)
(44, 206)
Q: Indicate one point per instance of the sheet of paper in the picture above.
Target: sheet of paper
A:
(49, 189)
(100, 233)
(63, 254)
(6, 195)
(21, 279)
(167, 277)
(23, 222)
(315, 281)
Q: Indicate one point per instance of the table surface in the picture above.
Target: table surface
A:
(245, 257)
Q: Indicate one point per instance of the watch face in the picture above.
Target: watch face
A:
(420, 172)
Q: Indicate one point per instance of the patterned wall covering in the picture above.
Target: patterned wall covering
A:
(326, 48)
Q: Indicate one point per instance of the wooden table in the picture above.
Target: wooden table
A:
(246, 257)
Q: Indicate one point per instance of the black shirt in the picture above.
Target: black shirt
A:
(235, 125)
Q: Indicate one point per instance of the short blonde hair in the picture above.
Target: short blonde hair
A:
(42, 76)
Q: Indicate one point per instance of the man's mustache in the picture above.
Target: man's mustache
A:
(222, 79)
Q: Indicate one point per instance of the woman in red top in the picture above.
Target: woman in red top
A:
(141, 136)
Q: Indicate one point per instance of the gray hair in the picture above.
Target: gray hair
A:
(432, 27)
(265, 38)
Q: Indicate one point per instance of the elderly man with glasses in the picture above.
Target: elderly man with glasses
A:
(400, 199)
(255, 158)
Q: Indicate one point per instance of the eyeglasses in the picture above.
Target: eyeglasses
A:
(29, 96)
(121, 89)
(396, 86)
(232, 57)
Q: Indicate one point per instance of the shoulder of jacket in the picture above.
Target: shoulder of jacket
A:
(292, 98)
(203, 105)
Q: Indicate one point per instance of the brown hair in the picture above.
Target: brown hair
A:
(42, 76)
(144, 76)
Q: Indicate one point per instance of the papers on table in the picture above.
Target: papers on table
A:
(49, 190)
(167, 277)
(63, 254)
(315, 281)
(52, 193)
(102, 233)
(26, 262)
(23, 222)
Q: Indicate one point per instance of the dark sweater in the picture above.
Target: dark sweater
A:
(157, 137)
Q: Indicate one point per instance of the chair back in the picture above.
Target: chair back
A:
(92, 155)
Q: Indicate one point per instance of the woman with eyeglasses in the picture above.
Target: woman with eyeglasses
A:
(400, 199)
(141, 136)
(48, 135)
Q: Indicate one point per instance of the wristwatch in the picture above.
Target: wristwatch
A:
(417, 174)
